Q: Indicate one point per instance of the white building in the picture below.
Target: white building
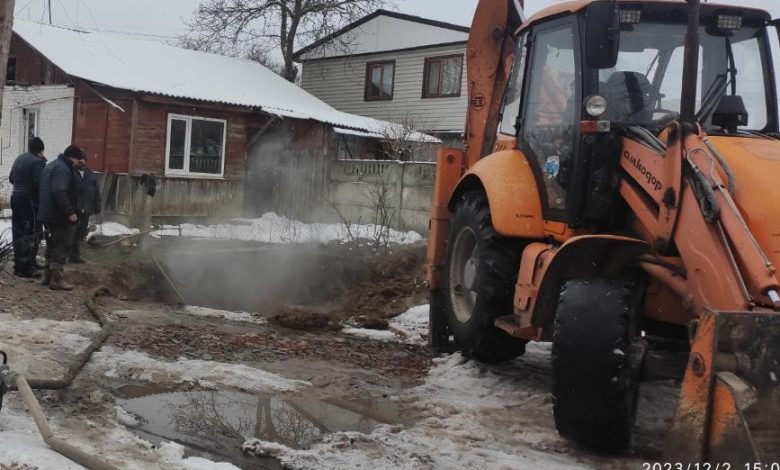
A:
(33, 110)
(394, 67)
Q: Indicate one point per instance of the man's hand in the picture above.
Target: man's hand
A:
(73, 218)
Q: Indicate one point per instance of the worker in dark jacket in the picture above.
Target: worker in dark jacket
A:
(88, 204)
(60, 188)
(26, 176)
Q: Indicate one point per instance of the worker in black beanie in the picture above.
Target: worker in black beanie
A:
(60, 188)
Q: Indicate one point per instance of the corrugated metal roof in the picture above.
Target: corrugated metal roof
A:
(155, 68)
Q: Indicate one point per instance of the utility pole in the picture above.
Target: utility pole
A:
(49, 2)
(6, 31)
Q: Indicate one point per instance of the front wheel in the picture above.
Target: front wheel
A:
(595, 388)
(479, 282)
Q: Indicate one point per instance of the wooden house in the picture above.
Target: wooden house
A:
(212, 130)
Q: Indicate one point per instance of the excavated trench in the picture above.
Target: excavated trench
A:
(306, 286)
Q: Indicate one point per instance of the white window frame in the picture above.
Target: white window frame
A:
(26, 123)
(188, 142)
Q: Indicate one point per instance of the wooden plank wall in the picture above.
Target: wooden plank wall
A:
(149, 145)
(32, 68)
(288, 170)
(102, 130)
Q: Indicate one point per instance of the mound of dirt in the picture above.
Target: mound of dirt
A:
(396, 282)
(297, 317)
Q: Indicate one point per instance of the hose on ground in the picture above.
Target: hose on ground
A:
(77, 455)
(26, 387)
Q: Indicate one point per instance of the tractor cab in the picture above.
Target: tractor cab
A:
(594, 71)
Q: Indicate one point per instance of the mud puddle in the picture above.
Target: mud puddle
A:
(214, 424)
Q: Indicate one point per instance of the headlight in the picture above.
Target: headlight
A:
(595, 105)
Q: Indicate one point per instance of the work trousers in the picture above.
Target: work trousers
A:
(79, 235)
(26, 232)
(58, 239)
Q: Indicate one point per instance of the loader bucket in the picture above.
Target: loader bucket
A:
(729, 408)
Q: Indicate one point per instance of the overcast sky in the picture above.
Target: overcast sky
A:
(154, 19)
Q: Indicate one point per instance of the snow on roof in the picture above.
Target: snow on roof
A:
(151, 67)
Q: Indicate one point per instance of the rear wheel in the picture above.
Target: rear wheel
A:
(595, 389)
(479, 282)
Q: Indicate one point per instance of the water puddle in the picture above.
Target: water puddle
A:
(216, 423)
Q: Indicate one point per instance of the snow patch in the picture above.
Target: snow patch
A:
(245, 317)
(126, 418)
(378, 335)
(22, 444)
(5, 231)
(207, 374)
(42, 346)
(272, 228)
(112, 229)
(410, 327)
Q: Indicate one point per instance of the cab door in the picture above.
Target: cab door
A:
(550, 113)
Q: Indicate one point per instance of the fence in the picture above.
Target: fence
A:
(359, 191)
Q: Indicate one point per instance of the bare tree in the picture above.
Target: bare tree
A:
(255, 28)
(402, 141)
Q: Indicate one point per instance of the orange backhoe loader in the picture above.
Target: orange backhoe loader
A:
(619, 195)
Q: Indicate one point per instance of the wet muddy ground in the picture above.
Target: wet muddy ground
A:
(172, 373)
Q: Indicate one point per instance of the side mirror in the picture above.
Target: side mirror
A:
(602, 34)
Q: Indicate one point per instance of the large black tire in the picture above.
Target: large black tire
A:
(595, 390)
(479, 282)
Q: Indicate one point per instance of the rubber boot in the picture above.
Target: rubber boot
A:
(58, 281)
(46, 276)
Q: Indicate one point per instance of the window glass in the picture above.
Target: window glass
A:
(442, 76)
(450, 77)
(434, 71)
(551, 110)
(515, 91)
(387, 80)
(178, 138)
(10, 71)
(645, 85)
(376, 80)
(750, 81)
(206, 147)
(32, 123)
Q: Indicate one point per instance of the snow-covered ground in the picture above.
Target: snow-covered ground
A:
(270, 228)
(112, 229)
(5, 230)
(411, 327)
(245, 317)
(41, 346)
(463, 415)
(137, 366)
(470, 416)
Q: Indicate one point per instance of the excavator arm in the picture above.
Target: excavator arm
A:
(489, 58)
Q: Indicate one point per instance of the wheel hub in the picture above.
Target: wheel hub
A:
(470, 273)
(463, 274)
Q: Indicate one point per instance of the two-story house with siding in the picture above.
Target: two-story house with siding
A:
(394, 67)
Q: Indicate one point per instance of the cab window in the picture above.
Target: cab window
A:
(515, 91)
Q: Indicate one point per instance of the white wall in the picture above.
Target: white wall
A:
(385, 33)
(340, 82)
(55, 124)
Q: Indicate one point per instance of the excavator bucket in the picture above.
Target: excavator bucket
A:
(730, 397)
